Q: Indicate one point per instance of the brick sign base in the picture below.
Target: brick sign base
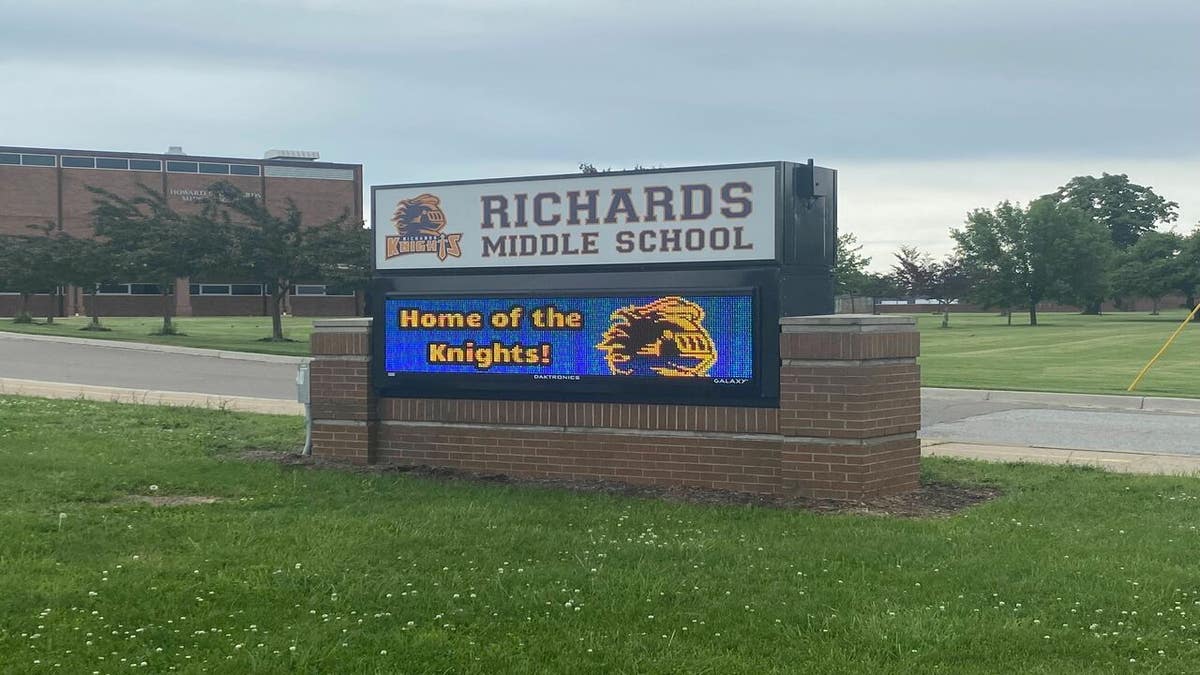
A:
(845, 428)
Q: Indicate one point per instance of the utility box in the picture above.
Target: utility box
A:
(302, 394)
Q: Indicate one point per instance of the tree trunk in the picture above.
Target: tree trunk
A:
(1009, 313)
(23, 309)
(946, 316)
(167, 328)
(277, 315)
(55, 301)
(92, 310)
(1093, 308)
(1153, 306)
(1033, 314)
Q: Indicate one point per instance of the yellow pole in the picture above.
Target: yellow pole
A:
(1171, 339)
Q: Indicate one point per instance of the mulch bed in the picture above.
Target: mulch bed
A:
(931, 499)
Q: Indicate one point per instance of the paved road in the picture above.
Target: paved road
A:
(161, 371)
(948, 415)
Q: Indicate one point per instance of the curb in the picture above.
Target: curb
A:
(1103, 401)
(169, 349)
(63, 390)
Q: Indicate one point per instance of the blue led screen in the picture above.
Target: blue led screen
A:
(566, 337)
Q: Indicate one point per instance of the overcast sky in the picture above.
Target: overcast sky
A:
(927, 108)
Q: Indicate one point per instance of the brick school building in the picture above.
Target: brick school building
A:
(40, 185)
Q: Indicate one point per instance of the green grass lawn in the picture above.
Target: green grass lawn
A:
(232, 333)
(1072, 571)
(1067, 352)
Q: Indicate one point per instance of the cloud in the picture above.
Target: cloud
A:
(889, 204)
(927, 107)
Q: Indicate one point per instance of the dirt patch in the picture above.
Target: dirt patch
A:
(171, 500)
(931, 499)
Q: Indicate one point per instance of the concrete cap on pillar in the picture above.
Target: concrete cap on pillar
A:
(847, 323)
(342, 325)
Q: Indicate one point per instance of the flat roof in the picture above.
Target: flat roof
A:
(181, 158)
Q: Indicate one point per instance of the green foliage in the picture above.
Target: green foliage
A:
(1189, 260)
(1151, 268)
(154, 243)
(1018, 257)
(849, 269)
(878, 285)
(912, 271)
(920, 276)
(1126, 209)
(281, 250)
(346, 263)
(28, 266)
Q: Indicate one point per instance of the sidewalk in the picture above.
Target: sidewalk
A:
(1119, 462)
(1046, 398)
(269, 406)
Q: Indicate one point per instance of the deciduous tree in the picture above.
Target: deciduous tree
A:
(1127, 210)
(912, 271)
(1151, 268)
(944, 281)
(280, 250)
(1018, 256)
(849, 270)
(23, 269)
(153, 243)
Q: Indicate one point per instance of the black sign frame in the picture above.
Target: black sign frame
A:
(760, 391)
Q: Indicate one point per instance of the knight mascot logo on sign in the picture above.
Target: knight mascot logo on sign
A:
(419, 222)
(666, 338)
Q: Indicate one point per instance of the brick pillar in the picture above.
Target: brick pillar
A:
(344, 409)
(850, 405)
(183, 297)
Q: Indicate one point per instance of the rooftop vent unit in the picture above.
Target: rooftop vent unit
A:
(293, 155)
(176, 150)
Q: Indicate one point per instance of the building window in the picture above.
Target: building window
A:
(182, 167)
(319, 289)
(226, 289)
(130, 289)
(112, 163)
(9, 158)
(208, 167)
(245, 289)
(38, 160)
(118, 163)
(244, 170)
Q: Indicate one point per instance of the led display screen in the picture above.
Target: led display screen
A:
(677, 337)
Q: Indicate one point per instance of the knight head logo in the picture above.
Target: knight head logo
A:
(419, 222)
(420, 215)
(666, 338)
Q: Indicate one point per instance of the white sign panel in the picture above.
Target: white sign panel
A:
(708, 215)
